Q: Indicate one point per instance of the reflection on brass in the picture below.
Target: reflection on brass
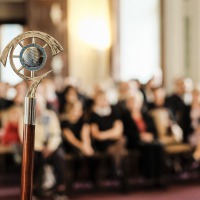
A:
(29, 110)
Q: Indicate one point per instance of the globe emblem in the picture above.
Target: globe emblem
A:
(32, 57)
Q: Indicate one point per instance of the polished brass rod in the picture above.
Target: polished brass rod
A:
(21, 44)
(45, 45)
(20, 68)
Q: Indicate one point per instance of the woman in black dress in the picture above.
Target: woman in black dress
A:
(77, 144)
(107, 130)
(76, 131)
(141, 134)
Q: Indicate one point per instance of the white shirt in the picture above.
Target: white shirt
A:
(47, 129)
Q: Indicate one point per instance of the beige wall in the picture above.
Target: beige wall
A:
(89, 39)
(181, 40)
(173, 41)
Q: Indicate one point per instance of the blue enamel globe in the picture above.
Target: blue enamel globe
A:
(33, 57)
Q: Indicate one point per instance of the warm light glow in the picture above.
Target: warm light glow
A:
(95, 32)
(89, 37)
(90, 23)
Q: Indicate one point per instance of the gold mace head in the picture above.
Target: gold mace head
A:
(32, 56)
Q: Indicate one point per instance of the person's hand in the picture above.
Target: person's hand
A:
(117, 136)
(46, 152)
(146, 137)
(87, 150)
(196, 153)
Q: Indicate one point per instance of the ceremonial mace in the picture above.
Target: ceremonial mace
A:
(32, 58)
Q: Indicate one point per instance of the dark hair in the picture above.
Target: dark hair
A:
(63, 100)
(67, 89)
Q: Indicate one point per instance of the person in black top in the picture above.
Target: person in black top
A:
(76, 132)
(175, 101)
(77, 143)
(141, 134)
(107, 129)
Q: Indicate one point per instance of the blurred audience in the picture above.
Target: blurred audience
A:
(144, 118)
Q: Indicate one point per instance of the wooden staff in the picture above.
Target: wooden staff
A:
(28, 148)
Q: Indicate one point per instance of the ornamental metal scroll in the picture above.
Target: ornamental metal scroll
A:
(32, 56)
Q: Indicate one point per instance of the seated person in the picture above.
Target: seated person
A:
(10, 132)
(179, 104)
(76, 132)
(169, 132)
(47, 142)
(141, 134)
(10, 126)
(107, 129)
(77, 144)
(194, 138)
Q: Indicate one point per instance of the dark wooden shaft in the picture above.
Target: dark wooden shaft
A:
(27, 162)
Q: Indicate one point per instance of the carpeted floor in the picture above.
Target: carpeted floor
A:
(172, 193)
(180, 192)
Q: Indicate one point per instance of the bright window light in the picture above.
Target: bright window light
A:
(95, 32)
(8, 32)
(139, 39)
